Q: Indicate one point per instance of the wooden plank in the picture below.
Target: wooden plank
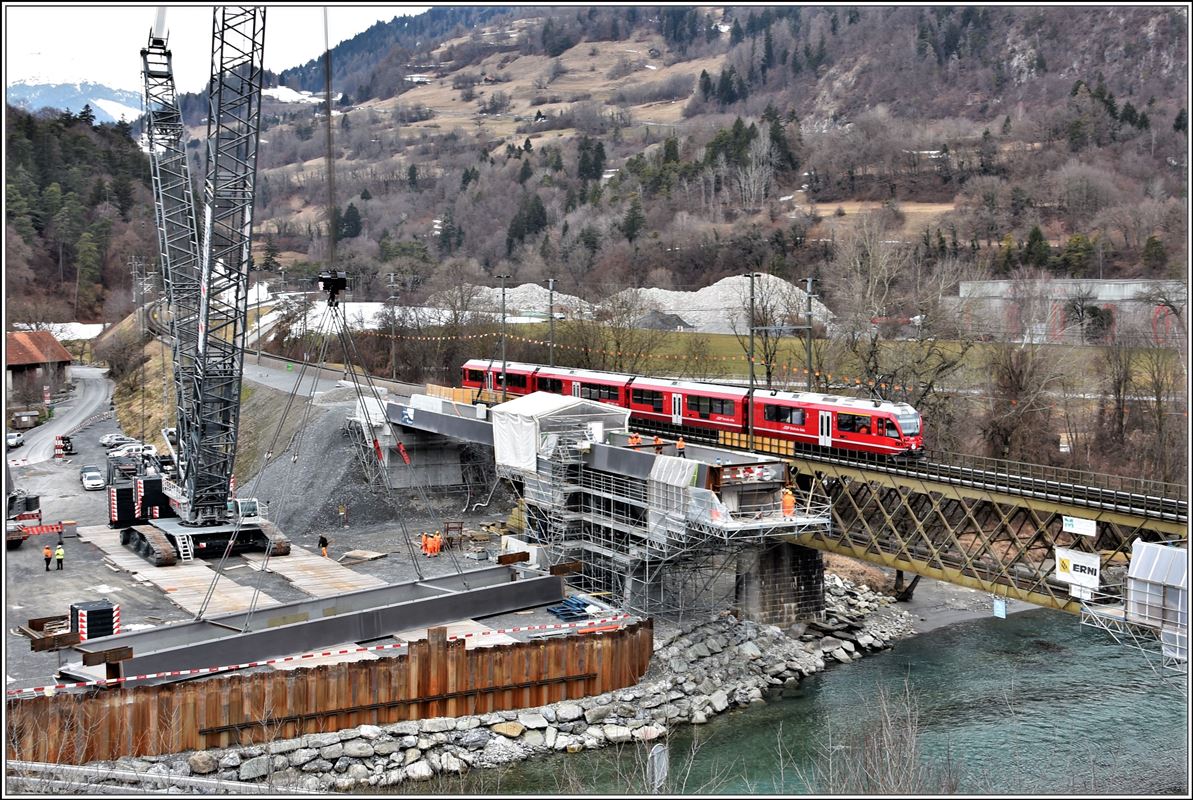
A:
(566, 568)
(513, 558)
(314, 574)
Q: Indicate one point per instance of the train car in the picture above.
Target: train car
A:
(486, 373)
(605, 387)
(689, 403)
(844, 423)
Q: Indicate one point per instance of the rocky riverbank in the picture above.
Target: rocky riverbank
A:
(698, 671)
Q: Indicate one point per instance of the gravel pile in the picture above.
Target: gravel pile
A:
(713, 309)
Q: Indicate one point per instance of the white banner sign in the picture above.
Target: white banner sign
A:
(1081, 569)
(1083, 527)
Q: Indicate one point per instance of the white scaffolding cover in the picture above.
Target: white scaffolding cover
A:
(518, 425)
(1158, 593)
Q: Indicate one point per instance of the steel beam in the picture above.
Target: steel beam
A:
(311, 624)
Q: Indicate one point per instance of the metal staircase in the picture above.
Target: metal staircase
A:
(186, 547)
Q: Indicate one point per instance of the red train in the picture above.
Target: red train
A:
(819, 420)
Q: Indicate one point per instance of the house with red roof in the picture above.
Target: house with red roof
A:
(33, 360)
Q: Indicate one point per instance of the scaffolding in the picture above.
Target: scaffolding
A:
(661, 536)
(1149, 611)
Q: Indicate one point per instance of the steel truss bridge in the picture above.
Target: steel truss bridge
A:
(979, 522)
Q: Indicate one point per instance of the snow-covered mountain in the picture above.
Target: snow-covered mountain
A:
(109, 105)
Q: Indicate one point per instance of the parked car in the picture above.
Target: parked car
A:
(15, 439)
(116, 439)
(91, 477)
(135, 449)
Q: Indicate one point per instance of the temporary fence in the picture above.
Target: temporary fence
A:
(435, 678)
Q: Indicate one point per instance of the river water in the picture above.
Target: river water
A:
(1031, 704)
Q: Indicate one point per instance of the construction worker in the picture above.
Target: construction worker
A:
(323, 545)
(48, 552)
(60, 554)
(679, 448)
(788, 502)
(658, 445)
(436, 544)
(635, 440)
(344, 515)
(425, 546)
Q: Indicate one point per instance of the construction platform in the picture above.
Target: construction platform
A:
(185, 583)
(313, 574)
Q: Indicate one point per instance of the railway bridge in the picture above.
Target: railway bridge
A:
(988, 524)
(984, 523)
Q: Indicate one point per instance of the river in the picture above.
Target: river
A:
(1031, 704)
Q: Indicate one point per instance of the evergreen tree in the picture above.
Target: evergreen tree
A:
(123, 189)
(1129, 116)
(527, 146)
(1036, 252)
(365, 194)
(526, 172)
(1155, 256)
(705, 85)
(736, 35)
(87, 116)
(350, 225)
(726, 89)
(671, 151)
(634, 221)
(271, 263)
(412, 177)
(1181, 123)
(768, 52)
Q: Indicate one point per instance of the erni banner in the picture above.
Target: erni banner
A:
(1080, 569)
(1082, 527)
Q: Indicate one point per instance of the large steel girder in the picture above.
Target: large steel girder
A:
(999, 544)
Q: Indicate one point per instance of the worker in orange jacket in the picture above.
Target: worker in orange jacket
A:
(48, 552)
(658, 445)
(679, 448)
(635, 440)
(788, 502)
(424, 544)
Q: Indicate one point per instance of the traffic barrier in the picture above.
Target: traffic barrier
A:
(589, 626)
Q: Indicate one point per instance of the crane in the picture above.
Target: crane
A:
(205, 267)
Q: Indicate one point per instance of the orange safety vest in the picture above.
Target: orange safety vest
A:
(423, 546)
(788, 504)
(47, 552)
(679, 444)
(658, 443)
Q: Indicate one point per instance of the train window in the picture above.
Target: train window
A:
(792, 416)
(910, 424)
(595, 391)
(554, 385)
(648, 397)
(709, 405)
(853, 423)
(474, 375)
(514, 381)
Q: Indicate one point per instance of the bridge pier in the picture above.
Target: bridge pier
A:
(780, 583)
(436, 461)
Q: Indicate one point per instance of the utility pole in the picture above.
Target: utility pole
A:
(551, 315)
(503, 278)
(750, 422)
(808, 320)
(391, 278)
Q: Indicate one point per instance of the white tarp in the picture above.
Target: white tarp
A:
(1158, 593)
(516, 425)
(674, 471)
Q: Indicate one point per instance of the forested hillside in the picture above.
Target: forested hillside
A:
(77, 207)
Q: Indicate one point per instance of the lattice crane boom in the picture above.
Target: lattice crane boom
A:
(233, 133)
(174, 206)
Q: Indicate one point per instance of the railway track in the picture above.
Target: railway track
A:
(1092, 490)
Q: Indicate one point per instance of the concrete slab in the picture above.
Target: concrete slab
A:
(185, 583)
(314, 574)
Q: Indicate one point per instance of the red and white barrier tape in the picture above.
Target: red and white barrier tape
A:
(287, 659)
